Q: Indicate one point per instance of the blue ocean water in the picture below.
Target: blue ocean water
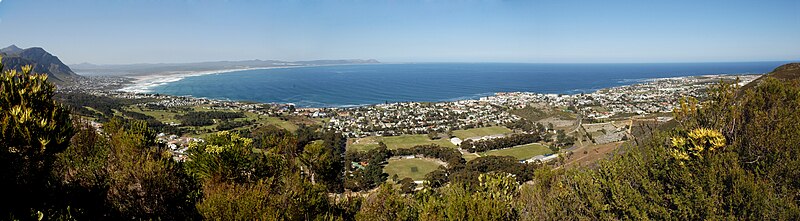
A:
(350, 85)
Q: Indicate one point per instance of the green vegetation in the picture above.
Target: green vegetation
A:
(719, 163)
(470, 156)
(102, 109)
(415, 169)
(207, 118)
(165, 116)
(33, 129)
(265, 120)
(480, 132)
(396, 142)
(522, 152)
(735, 156)
(537, 114)
(512, 140)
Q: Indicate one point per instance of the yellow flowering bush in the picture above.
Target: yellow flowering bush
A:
(696, 143)
(221, 141)
(225, 156)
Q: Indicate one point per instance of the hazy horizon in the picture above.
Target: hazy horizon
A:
(452, 62)
(182, 31)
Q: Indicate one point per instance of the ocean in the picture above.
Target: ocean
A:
(354, 85)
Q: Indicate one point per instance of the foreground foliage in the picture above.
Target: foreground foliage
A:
(33, 128)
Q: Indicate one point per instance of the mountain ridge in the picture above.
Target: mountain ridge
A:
(14, 58)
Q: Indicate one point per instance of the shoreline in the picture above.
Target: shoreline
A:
(145, 83)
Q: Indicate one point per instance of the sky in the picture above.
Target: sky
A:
(609, 31)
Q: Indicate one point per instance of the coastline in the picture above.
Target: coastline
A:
(145, 83)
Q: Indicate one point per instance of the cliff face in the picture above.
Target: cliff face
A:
(42, 62)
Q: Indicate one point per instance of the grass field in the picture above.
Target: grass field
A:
(161, 115)
(395, 142)
(167, 116)
(479, 132)
(469, 156)
(521, 152)
(412, 168)
(537, 114)
(265, 120)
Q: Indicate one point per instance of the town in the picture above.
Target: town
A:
(649, 97)
(408, 118)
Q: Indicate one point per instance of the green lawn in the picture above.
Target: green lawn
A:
(537, 114)
(520, 152)
(265, 120)
(167, 116)
(479, 132)
(469, 156)
(406, 168)
(395, 142)
(161, 115)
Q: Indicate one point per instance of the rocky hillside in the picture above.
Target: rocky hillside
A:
(42, 61)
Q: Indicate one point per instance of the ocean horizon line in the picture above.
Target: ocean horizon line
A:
(365, 84)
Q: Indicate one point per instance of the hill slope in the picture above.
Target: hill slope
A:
(788, 71)
(42, 62)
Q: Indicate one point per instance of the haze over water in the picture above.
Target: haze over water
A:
(351, 85)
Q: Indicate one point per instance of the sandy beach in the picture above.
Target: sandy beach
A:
(145, 83)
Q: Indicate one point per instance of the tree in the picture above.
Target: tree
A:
(433, 135)
(227, 156)
(306, 135)
(33, 128)
(436, 178)
(562, 139)
(81, 174)
(275, 139)
(144, 181)
(407, 185)
(491, 200)
(322, 164)
(373, 176)
(387, 204)
(336, 143)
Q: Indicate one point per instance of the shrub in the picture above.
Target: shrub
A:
(33, 128)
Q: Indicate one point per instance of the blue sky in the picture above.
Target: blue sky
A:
(150, 31)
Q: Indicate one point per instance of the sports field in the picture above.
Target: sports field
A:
(480, 132)
(395, 142)
(521, 152)
(412, 168)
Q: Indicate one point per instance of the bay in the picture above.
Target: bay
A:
(354, 85)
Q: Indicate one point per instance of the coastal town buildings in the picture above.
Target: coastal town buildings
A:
(391, 119)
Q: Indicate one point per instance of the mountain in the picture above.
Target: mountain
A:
(790, 71)
(42, 62)
(13, 49)
(144, 69)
